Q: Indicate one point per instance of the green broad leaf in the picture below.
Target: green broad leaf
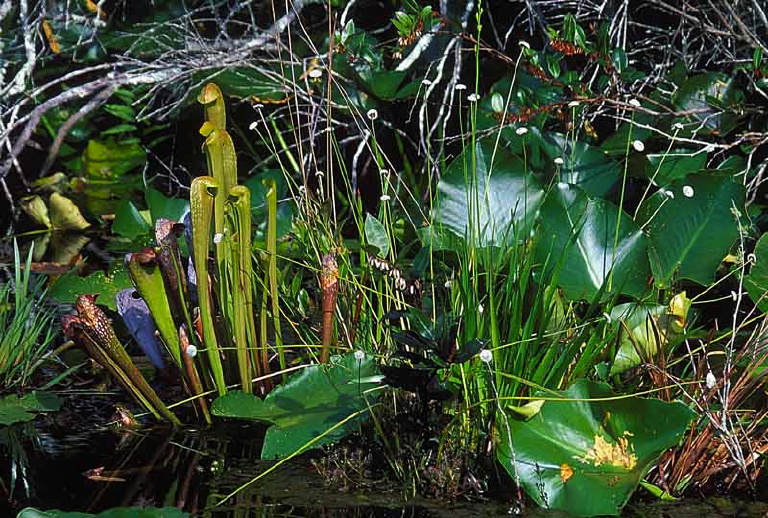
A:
(756, 283)
(129, 222)
(117, 512)
(579, 446)
(376, 235)
(15, 409)
(704, 96)
(383, 84)
(647, 329)
(160, 206)
(667, 167)
(492, 204)
(585, 166)
(310, 405)
(593, 243)
(691, 226)
(118, 129)
(110, 160)
(70, 285)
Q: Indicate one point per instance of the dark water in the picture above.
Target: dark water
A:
(74, 463)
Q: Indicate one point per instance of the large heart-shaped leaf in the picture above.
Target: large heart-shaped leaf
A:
(583, 165)
(70, 285)
(594, 244)
(691, 225)
(15, 409)
(491, 204)
(756, 282)
(309, 405)
(586, 456)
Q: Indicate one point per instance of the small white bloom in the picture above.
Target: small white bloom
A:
(473, 98)
(669, 194)
(573, 104)
(448, 284)
(384, 197)
(460, 86)
(607, 317)
(635, 103)
(687, 191)
(751, 258)
(480, 308)
(734, 295)
(258, 106)
(384, 173)
(559, 161)
(319, 174)
(426, 82)
(711, 380)
(677, 126)
(486, 355)
(191, 351)
(217, 238)
(638, 145)
(522, 130)
(315, 73)
(254, 125)
(524, 43)
(359, 355)
(302, 190)
(372, 114)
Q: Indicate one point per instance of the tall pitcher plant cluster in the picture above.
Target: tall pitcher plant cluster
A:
(215, 343)
(216, 200)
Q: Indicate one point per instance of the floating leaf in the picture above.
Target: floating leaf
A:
(308, 404)
(581, 446)
(69, 286)
(15, 409)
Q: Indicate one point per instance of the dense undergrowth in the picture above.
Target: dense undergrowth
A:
(475, 252)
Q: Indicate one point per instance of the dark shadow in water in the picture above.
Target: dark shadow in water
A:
(90, 469)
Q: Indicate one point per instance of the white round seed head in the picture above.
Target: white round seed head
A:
(687, 191)
(522, 130)
(638, 145)
(486, 355)
(559, 161)
(359, 355)
(473, 98)
(372, 114)
(710, 380)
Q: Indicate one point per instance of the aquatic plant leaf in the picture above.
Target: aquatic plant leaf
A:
(308, 404)
(495, 204)
(691, 225)
(161, 206)
(646, 328)
(578, 236)
(15, 409)
(668, 167)
(69, 286)
(135, 314)
(117, 512)
(585, 166)
(130, 222)
(65, 215)
(35, 208)
(376, 235)
(581, 446)
(756, 283)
